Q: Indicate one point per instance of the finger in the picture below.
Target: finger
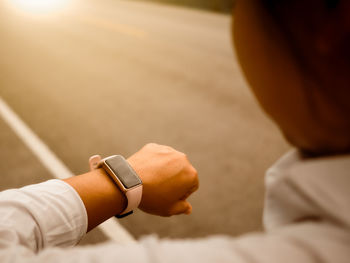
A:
(193, 178)
(189, 210)
(190, 191)
(181, 207)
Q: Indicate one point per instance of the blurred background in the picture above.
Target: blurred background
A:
(222, 6)
(108, 76)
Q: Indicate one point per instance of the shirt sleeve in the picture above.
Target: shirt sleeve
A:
(42, 223)
(50, 214)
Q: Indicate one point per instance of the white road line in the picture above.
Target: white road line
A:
(111, 228)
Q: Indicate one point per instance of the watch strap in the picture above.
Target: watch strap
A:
(133, 195)
(124, 215)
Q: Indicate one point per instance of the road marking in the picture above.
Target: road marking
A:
(113, 26)
(111, 228)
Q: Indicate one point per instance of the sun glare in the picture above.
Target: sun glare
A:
(39, 6)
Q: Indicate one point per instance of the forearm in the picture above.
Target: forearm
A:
(168, 179)
(58, 213)
(101, 197)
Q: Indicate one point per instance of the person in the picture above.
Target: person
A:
(295, 57)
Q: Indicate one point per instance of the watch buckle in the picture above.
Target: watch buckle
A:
(94, 162)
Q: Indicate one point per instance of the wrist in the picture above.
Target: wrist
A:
(111, 192)
(139, 173)
(101, 197)
(126, 179)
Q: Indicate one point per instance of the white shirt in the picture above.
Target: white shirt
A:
(307, 219)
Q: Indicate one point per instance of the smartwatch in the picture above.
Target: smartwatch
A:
(122, 174)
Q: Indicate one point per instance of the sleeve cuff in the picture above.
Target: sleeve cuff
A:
(59, 212)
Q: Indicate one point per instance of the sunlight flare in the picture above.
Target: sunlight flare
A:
(39, 6)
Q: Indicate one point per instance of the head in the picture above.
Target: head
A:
(295, 55)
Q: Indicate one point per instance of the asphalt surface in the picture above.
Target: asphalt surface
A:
(109, 76)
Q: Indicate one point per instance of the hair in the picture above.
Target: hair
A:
(283, 11)
(272, 4)
(327, 69)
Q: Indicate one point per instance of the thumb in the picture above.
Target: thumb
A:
(181, 207)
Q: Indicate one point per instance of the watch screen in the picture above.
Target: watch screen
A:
(125, 173)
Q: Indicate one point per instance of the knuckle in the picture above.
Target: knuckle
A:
(194, 178)
(195, 182)
(151, 145)
(182, 157)
(192, 173)
(168, 148)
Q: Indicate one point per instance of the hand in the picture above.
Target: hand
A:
(168, 179)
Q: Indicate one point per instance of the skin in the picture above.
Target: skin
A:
(303, 94)
(168, 180)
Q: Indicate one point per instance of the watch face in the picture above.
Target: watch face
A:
(123, 171)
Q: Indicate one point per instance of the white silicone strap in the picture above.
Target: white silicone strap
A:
(134, 198)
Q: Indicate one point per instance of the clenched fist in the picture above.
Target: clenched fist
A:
(168, 180)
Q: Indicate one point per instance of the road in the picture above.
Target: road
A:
(109, 76)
